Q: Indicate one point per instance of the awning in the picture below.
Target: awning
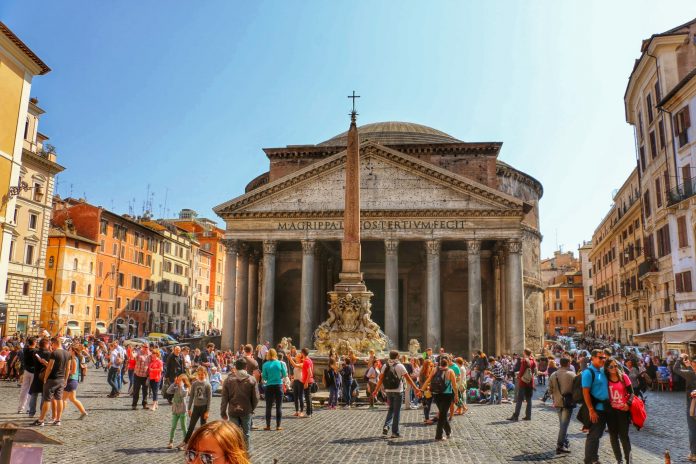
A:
(679, 333)
(101, 325)
(122, 326)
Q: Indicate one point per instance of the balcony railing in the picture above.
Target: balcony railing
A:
(649, 265)
(682, 191)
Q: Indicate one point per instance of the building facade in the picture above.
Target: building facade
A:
(588, 286)
(18, 66)
(608, 321)
(564, 309)
(445, 226)
(67, 306)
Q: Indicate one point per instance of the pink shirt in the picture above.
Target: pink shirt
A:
(618, 394)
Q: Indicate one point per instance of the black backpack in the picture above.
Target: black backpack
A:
(391, 378)
(578, 397)
(437, 384)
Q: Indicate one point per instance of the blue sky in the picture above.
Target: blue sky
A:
(182, 96)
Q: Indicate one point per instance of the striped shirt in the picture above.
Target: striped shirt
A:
(142, 363)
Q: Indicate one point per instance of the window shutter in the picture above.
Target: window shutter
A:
(686, 117)
(678, 282)
(687, 281)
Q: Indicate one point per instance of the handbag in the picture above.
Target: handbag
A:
(568, 401)
(314, 387)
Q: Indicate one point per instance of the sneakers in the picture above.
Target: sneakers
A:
(82, 416)
(56, 423)
(395, 435)
(38, 423)
(385, 431)
(562, 450)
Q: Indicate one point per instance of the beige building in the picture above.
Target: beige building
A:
(203, 313)
(31, 219)
(588, 285)
(450, 242)
(18, 66)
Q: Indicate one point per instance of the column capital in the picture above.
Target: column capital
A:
(309, 247)
(391, 246)
(270, 247)
(231, 245)
(514, 246)
(243, 249)
(473, 247)
(432, 247)
(254, 255)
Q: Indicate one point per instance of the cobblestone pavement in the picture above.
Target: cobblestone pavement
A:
(113, 432)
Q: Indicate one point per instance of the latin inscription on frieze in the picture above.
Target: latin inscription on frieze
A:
(375, 225)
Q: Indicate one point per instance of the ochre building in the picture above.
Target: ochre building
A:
(450, 242)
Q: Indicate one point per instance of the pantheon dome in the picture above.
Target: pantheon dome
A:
(393, 133)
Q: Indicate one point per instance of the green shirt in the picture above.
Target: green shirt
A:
(456, 370)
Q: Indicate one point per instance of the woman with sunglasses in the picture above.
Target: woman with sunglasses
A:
(619, 414)
(217, 442)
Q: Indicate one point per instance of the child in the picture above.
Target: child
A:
(155, 375)
(179, 390)
(199, 401)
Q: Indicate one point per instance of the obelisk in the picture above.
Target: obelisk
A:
(349, 327)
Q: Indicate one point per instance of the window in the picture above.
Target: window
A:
(653, 145)
(100, 268)
(73, 287)
(681, 230)
(101, 246)
(75, 265)
(51, 262)
(25, 288)
(38, 192)
(571, 320)
(589, 290)
(99, 291)
(663, 245)
(115, 250)
(89, 290)
(558, 293)
(570, 293)
(682, 122)
(658, 193)
(646, 203)
(571, 305)
(121, 279)
(648, 103)
(97, 311)
(103, 227)
(661, 133)
(683, 281)
(72, 309)
(49, 285)
(642, 158)
(33, 221)
(29, 255)
(87, 311)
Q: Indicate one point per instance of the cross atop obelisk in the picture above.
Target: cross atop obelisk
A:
(351, 278)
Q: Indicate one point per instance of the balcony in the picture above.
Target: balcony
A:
(682, 192)
(647, 266)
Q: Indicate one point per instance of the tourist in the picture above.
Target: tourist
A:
(595, 392)
(55, 378)
(372, 375)
(41, 356)
(218, 442)
(155, 376)
(74, 366)
(209, 360)
(347, 372)
(174, 368)
(131, 353)
(199, 401)
(273, 372)
(426, 370)
(178, 391)
(561, 391)
(619, 412)
(140, 378)
(525, 385)
(443, 383)
(29, 363)
(391, 377)
(215, 380)
(307, 379)
(295, 360)
(239, 399)
(186, 356)
(252, 365)
(684, 368)
(114, 376)
(498, 374)
(332, 381)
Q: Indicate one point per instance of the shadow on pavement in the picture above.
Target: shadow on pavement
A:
(357, 440)
(132, 451)
(546, 456)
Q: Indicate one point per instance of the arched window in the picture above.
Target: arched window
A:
(51, 262)
(89, 290)
(91, 267)
(26, 129)
(75, 264)
(73, 287)
(49, 285)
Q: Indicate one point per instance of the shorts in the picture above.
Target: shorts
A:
(71, 386)
(53, 389)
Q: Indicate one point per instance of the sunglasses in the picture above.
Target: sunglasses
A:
(206, 458)
(602, 358)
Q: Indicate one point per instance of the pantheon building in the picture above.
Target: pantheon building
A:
(450, 242)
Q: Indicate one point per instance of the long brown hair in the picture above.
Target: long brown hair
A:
(228, 436)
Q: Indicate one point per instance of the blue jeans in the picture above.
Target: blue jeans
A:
(497, 392)
(392, 421)
(333, 395)
(691, 422)
(32, 403)
(347, 387)
(564, 416)
(593, 437)
(244, 423)
(114, 379)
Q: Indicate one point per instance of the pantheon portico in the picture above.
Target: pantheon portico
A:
(450, 242)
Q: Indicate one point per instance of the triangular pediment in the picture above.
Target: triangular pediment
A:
(389, 181)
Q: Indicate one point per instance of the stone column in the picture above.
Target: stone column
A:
(433, 337)
(499, 323)
(515, 294)
(229, 292)
(268, 291)
(242, 304)
(253, 312)
(307, 321)
(391, 291)
(473, 248)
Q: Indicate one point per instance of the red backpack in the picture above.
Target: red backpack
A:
(638, 414)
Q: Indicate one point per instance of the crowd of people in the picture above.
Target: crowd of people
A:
(603, 385)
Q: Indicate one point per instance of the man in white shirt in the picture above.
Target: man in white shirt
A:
(391, 378)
